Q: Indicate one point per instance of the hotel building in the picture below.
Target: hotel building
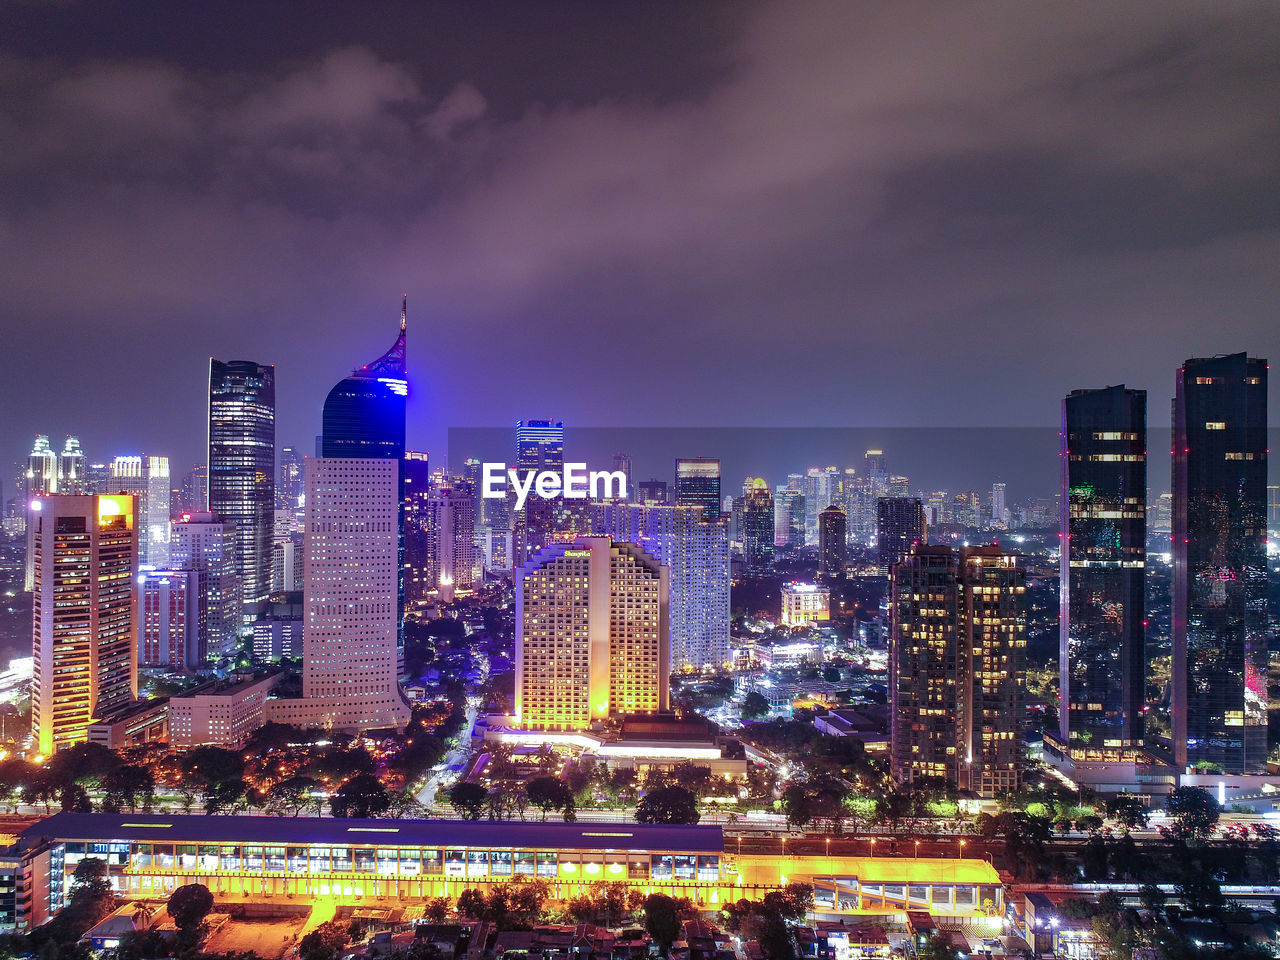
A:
(804, 604)
(592, 635)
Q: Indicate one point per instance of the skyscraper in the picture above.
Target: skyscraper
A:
(207, 544)
(416, 478)
(364, 419)
(71, 468)
(539, 447)
(755, 526)
(146, 478)
(788, 518)
(291, 482)
(1219, 564)
(242, 466)
(84, 623)
(451, 529)
(168, 633)
(899, 527)
(697, 553)
(1102, 660)
(353, 591)
(999, 512)
(592, 635)
(42, 469)
(698, 485)
(652, 491)
(957, 648)
(832, 545)
(194, 495)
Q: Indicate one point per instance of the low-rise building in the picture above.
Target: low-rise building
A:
(221, 713)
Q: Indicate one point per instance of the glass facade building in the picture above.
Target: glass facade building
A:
(1102, 659)
(242, 465)
(1220, 633)
(698, 485)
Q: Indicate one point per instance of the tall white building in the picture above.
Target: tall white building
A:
(592, 634)
(207, 544)
(697, 553)
(451, 541)
(71, 468)
(350, 588)
(147, 478)
(85, 615)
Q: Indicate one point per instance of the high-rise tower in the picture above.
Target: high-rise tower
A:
(698, 485)
(85, 615)
(1102, 661)
(242, 465)
(1219, 564)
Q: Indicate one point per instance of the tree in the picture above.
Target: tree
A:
(324, 942)
(796, 805)
(1194, 812)
(468, 799)
(207, 767)
(361, 796)
(547, 794)
(754, 706)
(189, 905)
(1129, 810)
(662, 920)
(128, 786)
(668, 805)
(291, 795)
(936, 947)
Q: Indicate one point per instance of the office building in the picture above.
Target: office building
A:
(592, 635)
(1220, 629)
(622, 464)
(147, 479)
(207, 544)
(804, 604)
(821, 487)
(899, 527)
(41, 474)
(652, 491)
(957, 650)
(364, 419)
(1273, 509)
(539, 447)
(193, 497)
(221, 713)
(1102, 659)
(832, 541)
(242, 466)
(754, 519)
(289, 485)
(451, 543)
(698, 485)
(788, 518)
(287, 562)
(169, 633)
(72, 476)
(999, 511)
(416, 478)
(697, 553)
(351, 579)
(85, 616)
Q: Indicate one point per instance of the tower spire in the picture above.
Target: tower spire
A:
(404, 313)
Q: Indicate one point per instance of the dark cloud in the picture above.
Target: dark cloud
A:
(803, 213)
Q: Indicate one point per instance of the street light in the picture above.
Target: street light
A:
(873, 846)
(917, 849)
(962, 849)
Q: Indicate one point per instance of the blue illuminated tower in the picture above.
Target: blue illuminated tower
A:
(364, 419)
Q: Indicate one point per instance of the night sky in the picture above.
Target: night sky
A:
(644, 213)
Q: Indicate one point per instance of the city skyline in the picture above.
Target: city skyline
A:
(886, 226)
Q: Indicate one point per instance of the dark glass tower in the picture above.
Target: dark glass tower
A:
(698, 485)
(1102, 659)
(899, 527)
(242, 465)
(832, 547)
(1219, 564)
(364, 419)
(539, 447)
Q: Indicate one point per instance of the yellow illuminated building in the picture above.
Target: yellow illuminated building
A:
(84, 617)
(592, 635)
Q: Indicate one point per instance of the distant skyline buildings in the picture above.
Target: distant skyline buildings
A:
(241, 462)
(1220, 574)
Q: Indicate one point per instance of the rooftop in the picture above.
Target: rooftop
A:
(180, 828)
